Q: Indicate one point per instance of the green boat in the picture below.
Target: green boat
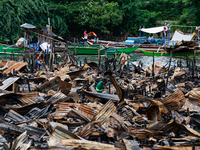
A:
(167, 54)
(13, 49)
(93, 50)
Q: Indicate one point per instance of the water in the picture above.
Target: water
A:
(146, 60)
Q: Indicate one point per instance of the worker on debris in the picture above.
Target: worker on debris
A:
(100, 85)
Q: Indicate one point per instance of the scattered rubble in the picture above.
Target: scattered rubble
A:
(140, 108)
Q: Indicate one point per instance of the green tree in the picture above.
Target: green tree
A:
(13, 13)
(136, 15)
(101, 15)
(190, 13)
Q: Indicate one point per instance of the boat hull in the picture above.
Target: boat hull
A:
(94, 50)
(9, 49)
(166, 54)
(152, 48)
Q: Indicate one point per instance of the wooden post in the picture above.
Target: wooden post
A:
(53, 49)
(106, 53)
(47, 58)
(115, 53)
(75, 46)
(33, 62)
(99, 59)
(15, 87)
(51, 53)
(53, 60)
(168, 73)
(153, 66)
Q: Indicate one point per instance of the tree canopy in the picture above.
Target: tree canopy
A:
(105, 17)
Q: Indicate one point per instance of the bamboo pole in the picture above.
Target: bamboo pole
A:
(106, 53)
(74, 46)
(51, 53)
(99, 61)
(47, 36)
(115, 53)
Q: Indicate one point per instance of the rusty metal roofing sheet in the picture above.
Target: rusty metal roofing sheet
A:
(174, 126)
(26, 100)
(107, 110)
(60, 133)
(86, 110)
(8, 82)
(3, 63)
(175, 101)
(81, 144)
(57, 98)
(82, 110)
(17, 66)
(14, 116)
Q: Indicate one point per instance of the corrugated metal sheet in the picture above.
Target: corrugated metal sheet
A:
(175, 101)
(62, 134)
(26, 100)
(63, 108)
(19, 141)
(14, 116)
(174, 126)
(8, 82)
(156, 109)
(86, 110)
(30, 94)
(3, 63)
(58, 97)
(17, 66)
(194, 95)
(81, 144)
(107, 110)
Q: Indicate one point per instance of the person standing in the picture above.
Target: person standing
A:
(85, 37)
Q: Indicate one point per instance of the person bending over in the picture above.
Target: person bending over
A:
(100, 85)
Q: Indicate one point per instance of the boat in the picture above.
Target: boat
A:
(183, 48)
(93, 50)
(13, 49)
(168, 54)
(10, 50)
(160, 50)
(111, 43)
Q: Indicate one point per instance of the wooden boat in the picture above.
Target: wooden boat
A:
(183, 48)
(145, 47)
(152, 48)
(11, 49)
(93, 50)
(167, 54)
(111, 43)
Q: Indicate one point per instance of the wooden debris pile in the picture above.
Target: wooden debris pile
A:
(183, 47)
(153, 108)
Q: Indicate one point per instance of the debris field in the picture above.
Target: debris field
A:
(140, 108)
